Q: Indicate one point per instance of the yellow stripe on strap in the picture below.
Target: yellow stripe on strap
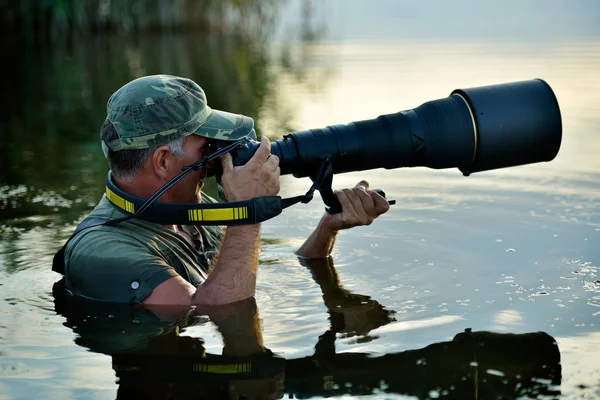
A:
(223, 368)
(218, 214)
(119, 201)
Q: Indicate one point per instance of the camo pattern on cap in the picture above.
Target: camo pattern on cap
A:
(158, 109)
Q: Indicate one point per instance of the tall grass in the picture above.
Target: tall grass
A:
(51, 20)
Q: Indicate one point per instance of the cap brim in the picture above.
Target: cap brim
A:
(225, 126)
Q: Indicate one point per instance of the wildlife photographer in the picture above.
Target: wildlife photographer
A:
(155, 127)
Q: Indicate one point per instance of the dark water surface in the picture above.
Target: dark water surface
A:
(509, 251)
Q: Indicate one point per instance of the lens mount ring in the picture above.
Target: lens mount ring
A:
(474, 125)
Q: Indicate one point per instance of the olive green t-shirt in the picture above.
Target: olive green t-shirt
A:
(126, 261)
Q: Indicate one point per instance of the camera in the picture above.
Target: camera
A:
(475, 129)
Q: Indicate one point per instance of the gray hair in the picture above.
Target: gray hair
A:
(126, 164)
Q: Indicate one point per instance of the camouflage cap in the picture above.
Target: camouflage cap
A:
(157, 109)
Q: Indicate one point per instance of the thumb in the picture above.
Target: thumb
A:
(227, 162)
(362, 184)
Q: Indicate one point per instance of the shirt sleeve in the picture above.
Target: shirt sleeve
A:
(120, 269)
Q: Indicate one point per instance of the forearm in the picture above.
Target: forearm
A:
(234, 276)
(239, 326)
(320, 243)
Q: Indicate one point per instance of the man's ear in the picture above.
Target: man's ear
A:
(162, 162)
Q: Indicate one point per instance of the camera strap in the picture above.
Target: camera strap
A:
(246, 212)
(252, 211)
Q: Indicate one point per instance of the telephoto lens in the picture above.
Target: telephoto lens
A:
(474, 130)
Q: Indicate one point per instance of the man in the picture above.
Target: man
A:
(155, 126)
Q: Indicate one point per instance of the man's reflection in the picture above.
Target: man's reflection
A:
(152, 360)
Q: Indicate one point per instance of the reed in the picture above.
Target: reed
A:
(52, 20)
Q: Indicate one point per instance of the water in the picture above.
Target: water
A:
(508, 251)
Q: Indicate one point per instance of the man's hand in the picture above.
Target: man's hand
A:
(234, 275)
(360, 206)
(259, 177)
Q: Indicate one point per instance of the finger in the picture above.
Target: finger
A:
(269, 172)
(367, 202)
(362, 184)
(359, 210)
(346, 204)
(270, 177)
(227, 162)
(275, 184)
(262, 152)
(364, 205)
(275, 175)
(381, 204)
(272, 162)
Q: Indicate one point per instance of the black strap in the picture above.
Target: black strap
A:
(58, 262)
(252, 211)
(259, 209)
(262, 208)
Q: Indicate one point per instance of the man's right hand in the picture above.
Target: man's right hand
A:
(258, 177)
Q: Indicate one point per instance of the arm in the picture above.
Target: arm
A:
(234, 276)
(360, 206)
(320, 242)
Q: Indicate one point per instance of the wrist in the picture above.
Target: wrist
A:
(320, 243)
(327, 225)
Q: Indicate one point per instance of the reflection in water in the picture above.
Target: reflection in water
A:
(152, 360)
(350, 314)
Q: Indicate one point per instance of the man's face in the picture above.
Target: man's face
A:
(188, 189)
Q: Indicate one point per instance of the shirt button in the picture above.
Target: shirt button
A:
(135, 284)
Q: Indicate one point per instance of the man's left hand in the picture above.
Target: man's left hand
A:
(360, 206)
